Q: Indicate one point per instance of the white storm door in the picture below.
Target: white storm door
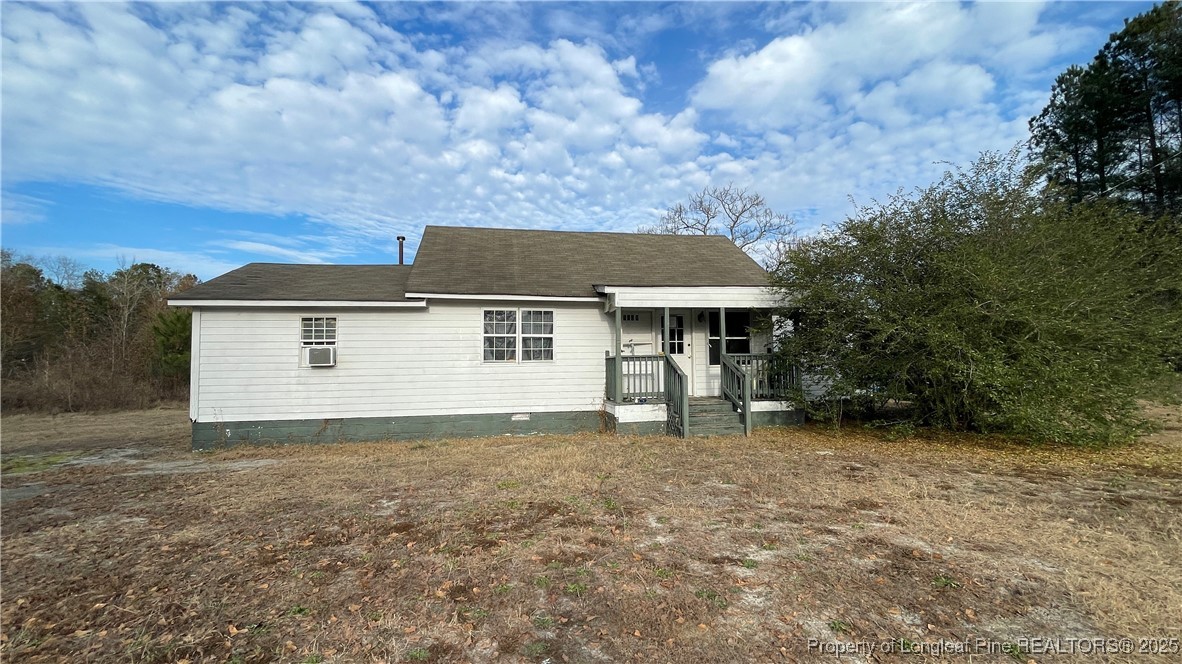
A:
(680, 343)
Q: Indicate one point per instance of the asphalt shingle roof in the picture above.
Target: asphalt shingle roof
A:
(491, 261)
(279, 281)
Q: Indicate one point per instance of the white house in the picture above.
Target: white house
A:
(490, 331)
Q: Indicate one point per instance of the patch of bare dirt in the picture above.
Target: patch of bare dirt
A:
(1169, 421)
(587, 548)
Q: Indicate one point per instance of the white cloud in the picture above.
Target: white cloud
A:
(940, 86)
(23, 209)
(264, 249)
(331, 113)
(814, 73)
(109, 257)
(485, 112)
(869, 98)
(306, 112)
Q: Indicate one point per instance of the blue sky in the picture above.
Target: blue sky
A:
(202, 136)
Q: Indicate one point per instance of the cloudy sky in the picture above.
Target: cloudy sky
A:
(202, 136)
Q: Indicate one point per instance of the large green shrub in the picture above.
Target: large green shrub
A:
(986, 303)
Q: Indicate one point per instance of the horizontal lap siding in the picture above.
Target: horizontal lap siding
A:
(704, 297)
(393, 363)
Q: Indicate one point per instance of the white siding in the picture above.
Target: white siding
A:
(391, 363)
(710, 297)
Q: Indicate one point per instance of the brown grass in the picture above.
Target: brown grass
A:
(31, 433)
(579, 548)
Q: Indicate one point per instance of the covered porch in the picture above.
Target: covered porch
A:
(678, 356)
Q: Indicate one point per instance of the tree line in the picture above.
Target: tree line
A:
(74, 339)
(1113, 127)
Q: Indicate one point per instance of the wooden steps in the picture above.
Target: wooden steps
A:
(713, 416)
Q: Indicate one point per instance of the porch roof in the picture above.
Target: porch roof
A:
(700, 297)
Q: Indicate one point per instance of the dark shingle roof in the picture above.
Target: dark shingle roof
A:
(277, 281)
(494, 261)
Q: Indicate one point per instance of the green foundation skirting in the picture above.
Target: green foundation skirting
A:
(653, 428)
(212, 435)
(777, 418)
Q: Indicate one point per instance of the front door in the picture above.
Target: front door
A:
(680, 342)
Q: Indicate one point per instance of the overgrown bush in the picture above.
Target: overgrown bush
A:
(987, 303)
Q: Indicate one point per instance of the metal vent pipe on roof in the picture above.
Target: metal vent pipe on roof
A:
(401, 240)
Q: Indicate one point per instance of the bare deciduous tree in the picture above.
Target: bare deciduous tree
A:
(737, 213)
(63, 270)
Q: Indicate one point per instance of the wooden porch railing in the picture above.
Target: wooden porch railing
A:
(746, 377)
(736, 388)
(640, 375)
(771, 376)
(676, 400)
(609, 370)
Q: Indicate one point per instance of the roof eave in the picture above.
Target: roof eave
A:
(299, 304)
(505, 296)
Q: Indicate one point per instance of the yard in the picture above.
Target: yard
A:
(120, 545)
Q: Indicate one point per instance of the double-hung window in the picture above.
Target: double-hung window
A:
(500, 335)
(318, 331)
(518, 335)
(537, 335)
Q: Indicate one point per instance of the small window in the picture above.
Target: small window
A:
(631, 318)
(676, 334)
(537, 335)
(500, 335)
(318, 331)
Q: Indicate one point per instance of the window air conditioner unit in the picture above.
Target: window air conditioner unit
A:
(322, 356)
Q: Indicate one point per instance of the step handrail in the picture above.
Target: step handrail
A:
(676, 390)
(736, 388)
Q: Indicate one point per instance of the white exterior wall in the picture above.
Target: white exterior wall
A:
(707, 297)
(391, 362)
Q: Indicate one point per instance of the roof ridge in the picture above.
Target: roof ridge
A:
(270, 264)
(560, 263)
(574, 232)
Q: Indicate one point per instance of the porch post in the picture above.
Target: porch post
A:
(619, 368)
(665, 338)
(721, 333)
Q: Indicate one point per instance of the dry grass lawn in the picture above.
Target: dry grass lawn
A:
(577, 548)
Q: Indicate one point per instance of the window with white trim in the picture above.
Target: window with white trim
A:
(512, 335)
(537, 335)
(500, 335)
(318, 331)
